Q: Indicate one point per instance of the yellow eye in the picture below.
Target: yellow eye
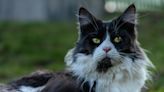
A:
(96, 40)
(117, 39)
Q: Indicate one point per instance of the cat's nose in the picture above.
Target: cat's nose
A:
(107, 49)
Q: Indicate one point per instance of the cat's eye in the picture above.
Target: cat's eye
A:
(96, 40)
(117, 39)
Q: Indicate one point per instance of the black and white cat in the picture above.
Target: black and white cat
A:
(108, 53)
(106, 58)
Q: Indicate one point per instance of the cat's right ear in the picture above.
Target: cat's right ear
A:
(85, 17)
(129, 15)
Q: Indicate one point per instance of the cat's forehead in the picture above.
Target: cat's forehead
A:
(100, 31)
(115, 26)
(108, 25)
(102, 27)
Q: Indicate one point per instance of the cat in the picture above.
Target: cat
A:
(108, 53)
(106, 58)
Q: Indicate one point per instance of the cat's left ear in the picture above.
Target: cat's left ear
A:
(85, 17)
(129, 15)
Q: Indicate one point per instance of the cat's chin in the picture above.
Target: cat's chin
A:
(104, 64)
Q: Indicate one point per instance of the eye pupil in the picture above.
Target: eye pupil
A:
(96, 40)
(117, 39)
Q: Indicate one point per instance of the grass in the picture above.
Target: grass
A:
(151, 37)
(31, 46)
(25, 47)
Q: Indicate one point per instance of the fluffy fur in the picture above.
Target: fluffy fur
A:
(127, 74)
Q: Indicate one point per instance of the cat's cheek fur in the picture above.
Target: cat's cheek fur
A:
(84, 66)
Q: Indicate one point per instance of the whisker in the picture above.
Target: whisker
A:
(128, 53)
(132, 55)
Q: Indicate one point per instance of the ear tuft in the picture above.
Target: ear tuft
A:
(131, 9)
(83, 11)
(84, 16)
(129, 14)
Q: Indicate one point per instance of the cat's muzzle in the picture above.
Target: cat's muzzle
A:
(104, 65)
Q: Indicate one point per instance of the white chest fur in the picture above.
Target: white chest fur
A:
(130, 86)
(30, 89)
(122, 83)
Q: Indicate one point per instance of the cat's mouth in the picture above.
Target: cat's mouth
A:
(104, 65)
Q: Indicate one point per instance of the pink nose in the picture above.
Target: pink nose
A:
(107, 49)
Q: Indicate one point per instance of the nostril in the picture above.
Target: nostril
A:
(107, 49)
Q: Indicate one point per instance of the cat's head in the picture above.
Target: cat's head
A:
(105, 47)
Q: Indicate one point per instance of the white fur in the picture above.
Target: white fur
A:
(124, 76)
(30, 89)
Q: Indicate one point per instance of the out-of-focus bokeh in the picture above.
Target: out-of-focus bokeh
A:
(36, 34)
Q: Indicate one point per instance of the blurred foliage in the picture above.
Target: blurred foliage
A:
(25, 47)
(28, 46)
(142, 5)
(151, 36)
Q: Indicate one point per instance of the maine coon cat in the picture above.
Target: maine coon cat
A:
(108, 53)
(106, 58)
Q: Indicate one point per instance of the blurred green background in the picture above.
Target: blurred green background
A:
(28, 44)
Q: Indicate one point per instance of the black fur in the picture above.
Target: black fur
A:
(34, 80)
(53, 82)
(66, 82)
(104, 65)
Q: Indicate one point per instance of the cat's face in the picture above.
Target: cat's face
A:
(103, 47)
